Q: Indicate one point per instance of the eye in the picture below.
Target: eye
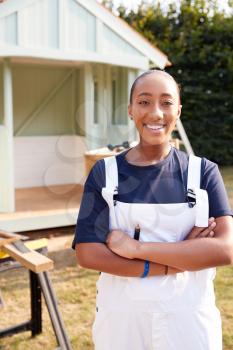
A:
(144, 102)
(167, 103)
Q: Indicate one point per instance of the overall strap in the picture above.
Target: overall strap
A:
(199, 196)
(194, 172)
(111, 173)
(111, 188)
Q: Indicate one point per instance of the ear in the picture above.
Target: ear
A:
(179, 112)
(130, 111)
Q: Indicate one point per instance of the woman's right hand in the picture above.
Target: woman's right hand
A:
(200, 232)
(196, 232)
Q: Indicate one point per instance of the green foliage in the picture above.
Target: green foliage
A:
(108, 4)
(198, 39)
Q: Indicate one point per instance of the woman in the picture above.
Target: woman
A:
(155, 222)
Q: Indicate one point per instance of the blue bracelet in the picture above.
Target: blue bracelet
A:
(146, 269)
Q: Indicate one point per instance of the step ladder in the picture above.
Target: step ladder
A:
(184, 138)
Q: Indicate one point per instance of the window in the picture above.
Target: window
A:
(119, 96)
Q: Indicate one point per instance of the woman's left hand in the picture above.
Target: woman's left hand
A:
(122, 244)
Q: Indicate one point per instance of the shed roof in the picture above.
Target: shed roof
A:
(73, 30)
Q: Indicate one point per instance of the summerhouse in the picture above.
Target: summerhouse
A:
(66, 67)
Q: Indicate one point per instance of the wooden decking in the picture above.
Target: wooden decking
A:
(43, 207)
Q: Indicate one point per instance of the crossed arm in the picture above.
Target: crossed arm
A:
(191, 254)
(97, 256)
(123, 256)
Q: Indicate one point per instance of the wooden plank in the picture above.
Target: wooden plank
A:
(7, 190)
(34, 245)
(1, 301)
(32, 260)
(5, 234)
(4, 241)
(7, 237)
(43, 207)
(38, 200)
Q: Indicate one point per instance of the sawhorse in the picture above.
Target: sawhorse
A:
(39, 284)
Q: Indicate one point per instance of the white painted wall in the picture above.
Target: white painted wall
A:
(60, 24)
(49, 160)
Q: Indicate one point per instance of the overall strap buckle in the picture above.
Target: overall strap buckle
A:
(115, 193)
(191, 197)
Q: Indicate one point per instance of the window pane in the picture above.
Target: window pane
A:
(114, 121)
(96, 112)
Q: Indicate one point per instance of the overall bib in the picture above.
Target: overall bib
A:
(172, 312)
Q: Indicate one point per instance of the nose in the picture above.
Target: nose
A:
(156, 112)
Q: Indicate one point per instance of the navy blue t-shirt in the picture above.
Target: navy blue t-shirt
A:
(163, 182)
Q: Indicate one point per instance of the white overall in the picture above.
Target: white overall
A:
(174, 312)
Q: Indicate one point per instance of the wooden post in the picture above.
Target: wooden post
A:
(132, 131)
(88, 105)
(7, 190)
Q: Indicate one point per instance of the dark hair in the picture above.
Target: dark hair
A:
(148, 72)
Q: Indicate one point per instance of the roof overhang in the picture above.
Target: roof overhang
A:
(69, 56)
(150, 55)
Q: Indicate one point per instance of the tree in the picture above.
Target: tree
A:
(198, 39)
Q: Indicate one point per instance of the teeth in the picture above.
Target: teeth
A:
(155, 127)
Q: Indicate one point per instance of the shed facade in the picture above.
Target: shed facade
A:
(66, 67)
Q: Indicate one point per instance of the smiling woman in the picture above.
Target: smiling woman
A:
(154, 107)
(156, 222)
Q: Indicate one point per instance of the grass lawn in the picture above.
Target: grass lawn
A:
(75, 290)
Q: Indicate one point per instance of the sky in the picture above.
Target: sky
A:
(134, 3)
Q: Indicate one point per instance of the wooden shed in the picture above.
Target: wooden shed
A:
(66, 67)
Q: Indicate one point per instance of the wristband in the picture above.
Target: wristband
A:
(146, 269)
